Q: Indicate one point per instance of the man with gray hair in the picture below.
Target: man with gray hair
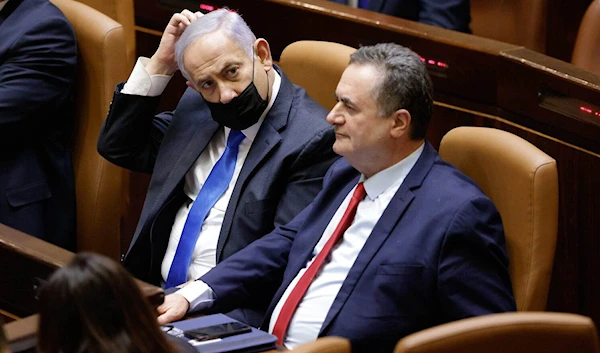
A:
(244, 151)
(396, 241)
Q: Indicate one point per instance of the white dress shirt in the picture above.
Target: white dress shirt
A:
(314, 306)
(204, 254)
(2, 3)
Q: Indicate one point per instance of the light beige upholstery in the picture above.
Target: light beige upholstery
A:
(98, 182)
(329, 344)
(121, 11)
(586, 53)
(522, 182)
(520, 22)
(517, 332)
(317, 67)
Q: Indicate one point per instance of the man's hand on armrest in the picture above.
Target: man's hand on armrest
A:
(172, 309)
(190, 296)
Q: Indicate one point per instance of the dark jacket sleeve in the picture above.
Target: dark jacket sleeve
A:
(36, 77)
(254, 272)
(131, 134)
(306, 179)
(473, 275)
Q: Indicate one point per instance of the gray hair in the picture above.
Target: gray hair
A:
(404, 83)
(227, 21)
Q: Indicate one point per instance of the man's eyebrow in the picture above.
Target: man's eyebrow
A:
(229, 64)
(226, 66)
(347, 101)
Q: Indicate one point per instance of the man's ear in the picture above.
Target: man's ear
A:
(263, 51)
(400, 123)
(190, 85)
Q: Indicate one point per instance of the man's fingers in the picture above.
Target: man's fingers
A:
(164, 319)
(173, 308)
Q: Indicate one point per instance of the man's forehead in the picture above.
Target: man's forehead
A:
(357, 80)
(215, 55)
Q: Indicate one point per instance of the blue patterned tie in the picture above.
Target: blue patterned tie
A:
(215, 185)
(363, 4)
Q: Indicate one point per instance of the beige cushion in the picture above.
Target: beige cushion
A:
(98, 183)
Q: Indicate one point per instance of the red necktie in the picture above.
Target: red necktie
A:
(292, 301)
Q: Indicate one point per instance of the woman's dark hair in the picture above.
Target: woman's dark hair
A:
(93, 305)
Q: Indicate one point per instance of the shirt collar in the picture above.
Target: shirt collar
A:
(2, 3)
(392, 176)
(252, 131)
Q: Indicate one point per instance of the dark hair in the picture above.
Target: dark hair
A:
(405, 83)
(93, 305)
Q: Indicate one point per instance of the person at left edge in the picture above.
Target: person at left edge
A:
(286, 151)
(38, 65)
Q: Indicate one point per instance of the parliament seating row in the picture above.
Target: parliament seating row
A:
(526, 332)
(113, 189)
(477, 82)
(520, 179)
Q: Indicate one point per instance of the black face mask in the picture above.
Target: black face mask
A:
(244, 110)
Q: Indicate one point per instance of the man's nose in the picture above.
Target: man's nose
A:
(226, 94)
(334, 116)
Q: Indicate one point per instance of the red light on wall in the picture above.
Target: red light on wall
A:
(597, 113)
(431, 62)
(441, 64)
(585, 109)
(422, 58)
(207, 7)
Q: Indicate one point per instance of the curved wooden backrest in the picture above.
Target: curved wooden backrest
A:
(98, 183)
(516, 332)
(522, 181)
(317, 67)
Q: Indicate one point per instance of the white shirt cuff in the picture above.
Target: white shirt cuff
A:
(198, 294)
(141, 83)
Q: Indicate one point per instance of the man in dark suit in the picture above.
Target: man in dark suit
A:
(233, 87)
(425, 246)
(38, 61)
(450, 14)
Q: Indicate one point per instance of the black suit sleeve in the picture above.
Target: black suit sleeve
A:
(131, 134)
(36, 77)
(473, 264)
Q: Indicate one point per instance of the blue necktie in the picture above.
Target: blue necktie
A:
(215, 185)
(363, 4)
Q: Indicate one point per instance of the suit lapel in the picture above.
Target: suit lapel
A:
(8, 9)
(382, 230)
(267, 138)
(316, 229)
(179, 152)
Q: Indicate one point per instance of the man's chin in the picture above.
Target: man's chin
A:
(338, 148)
